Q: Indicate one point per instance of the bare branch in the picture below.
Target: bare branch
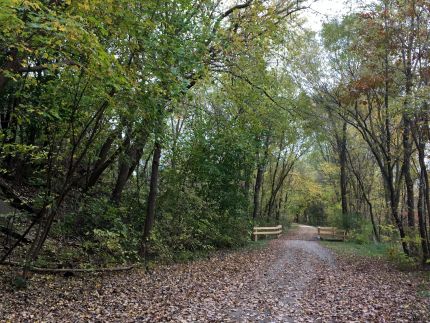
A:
(234, 8)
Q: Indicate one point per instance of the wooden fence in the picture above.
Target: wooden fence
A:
(267, 231)
(331, 233)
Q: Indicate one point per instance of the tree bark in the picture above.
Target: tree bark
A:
(271, 204)
(421, 223)
(366, 198)
(423, 197)
(259, 181)
(102, 162)
(286, 169)
(342, 164)
(126, 167)
(151, 203)
(257, 190)
(409, 183)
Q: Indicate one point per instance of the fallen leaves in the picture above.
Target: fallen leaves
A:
(290, 280)
(365, 289)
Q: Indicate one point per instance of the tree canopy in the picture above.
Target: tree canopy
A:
(134, 130)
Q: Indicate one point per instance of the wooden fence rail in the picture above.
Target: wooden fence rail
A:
(331, 233)
(267, 231)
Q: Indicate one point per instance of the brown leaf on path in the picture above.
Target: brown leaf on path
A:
(290, 280)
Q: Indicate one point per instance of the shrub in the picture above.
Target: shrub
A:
(189, 222)
(363, 233)
(402, 261)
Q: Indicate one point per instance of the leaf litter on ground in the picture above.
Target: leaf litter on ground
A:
(290, 280)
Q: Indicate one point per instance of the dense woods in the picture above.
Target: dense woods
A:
(134, 130)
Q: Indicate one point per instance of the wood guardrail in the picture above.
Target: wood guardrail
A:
(267, 231)
(331, 233)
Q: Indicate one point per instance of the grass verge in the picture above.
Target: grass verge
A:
(379, 250)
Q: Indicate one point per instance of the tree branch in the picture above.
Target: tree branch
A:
(234, 8)
(66, 270)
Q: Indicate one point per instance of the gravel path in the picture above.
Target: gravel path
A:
(282, 286)
(292, 279)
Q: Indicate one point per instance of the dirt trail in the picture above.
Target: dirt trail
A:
(293, 279)
(302, 232)
(282, 286)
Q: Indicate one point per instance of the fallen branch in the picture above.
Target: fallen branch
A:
(65, 270)
(16, 200)
(8, 232)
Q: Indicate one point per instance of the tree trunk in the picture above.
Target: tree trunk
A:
(421, 223)
(394, 204)
(152, 196)
(271, 204)
(102, 162)
(247, 185)
(342, 164)
(407, 152)
(286, 169)
(366, 198)
(121, 180)
(407, 144)
(259, 181)
(126, 167)
(423, 198)
(372, 219)
(257, 189)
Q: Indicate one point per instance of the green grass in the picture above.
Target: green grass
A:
(351, 248)
(389, 252)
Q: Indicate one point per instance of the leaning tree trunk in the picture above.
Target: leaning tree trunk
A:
(394, 204)
(366, 197)
(45, 219)
(126, 167)
(42, 232)
(103, 161)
